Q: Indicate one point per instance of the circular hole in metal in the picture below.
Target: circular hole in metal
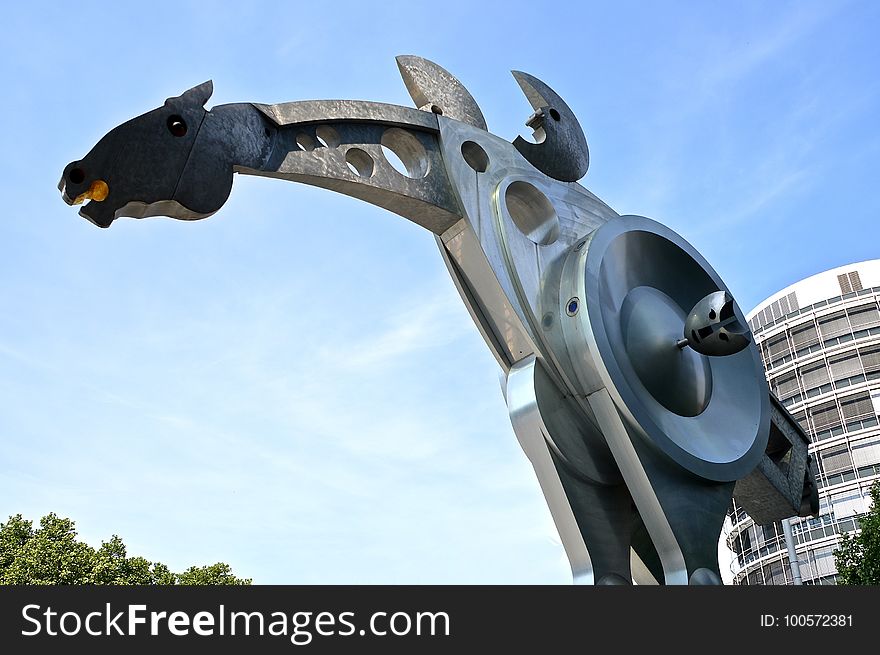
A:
(327, 136)
(305, 142)
(532, 212)
(554, 114)
(76, 175)
(712, 314)
(392, 158)
(723, 336)
(176, 125)
(475, 156)
(360, 163)
(405, 153)
(572, 307)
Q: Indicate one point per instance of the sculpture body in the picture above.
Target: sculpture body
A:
(638, 430)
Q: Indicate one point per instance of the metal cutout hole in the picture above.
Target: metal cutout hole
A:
(327, 136)
(475, 156)
(532, 212)
(360, 163)
(405, 153)
(305, 142)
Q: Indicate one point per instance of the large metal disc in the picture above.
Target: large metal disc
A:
(638, 281)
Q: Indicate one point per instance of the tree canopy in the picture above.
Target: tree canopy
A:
(858, 553)
(51, 554)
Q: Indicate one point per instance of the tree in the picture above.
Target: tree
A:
(51, 554)
(216, 574)
(858, 554)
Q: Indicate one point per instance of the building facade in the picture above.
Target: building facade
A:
(820, 343)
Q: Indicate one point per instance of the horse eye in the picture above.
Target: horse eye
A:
(176, 125)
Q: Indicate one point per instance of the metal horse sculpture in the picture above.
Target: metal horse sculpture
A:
(632, 380)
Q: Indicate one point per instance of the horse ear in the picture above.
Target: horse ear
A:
(198, 94)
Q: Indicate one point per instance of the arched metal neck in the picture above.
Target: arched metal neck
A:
(387, 155)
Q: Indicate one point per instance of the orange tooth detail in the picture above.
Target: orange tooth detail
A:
(97, 191)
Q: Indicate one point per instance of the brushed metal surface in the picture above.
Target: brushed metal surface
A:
(533, 435)
(435, 89)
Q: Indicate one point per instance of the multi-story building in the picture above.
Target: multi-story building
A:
(820, 343)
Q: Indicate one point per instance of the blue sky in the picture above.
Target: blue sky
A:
(292, 385)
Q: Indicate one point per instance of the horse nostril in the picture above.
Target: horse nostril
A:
(76, 175)
(176, 125)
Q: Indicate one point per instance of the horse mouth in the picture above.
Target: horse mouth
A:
(97, 191)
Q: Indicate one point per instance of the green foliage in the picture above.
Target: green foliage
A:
(51, 554)
(216, 574)
(858, 554)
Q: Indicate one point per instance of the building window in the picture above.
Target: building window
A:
(858, 411)
(815, 376)
(866, 456)
(845, 366)
(834, 326)
(786, 386)
(837, 462)
(864, 316)
(871, 361)
(777, 348)
(804, 336)
(847, 504)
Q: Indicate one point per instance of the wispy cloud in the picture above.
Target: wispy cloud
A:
(763, 150)
(738, 60)
(421, 322)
